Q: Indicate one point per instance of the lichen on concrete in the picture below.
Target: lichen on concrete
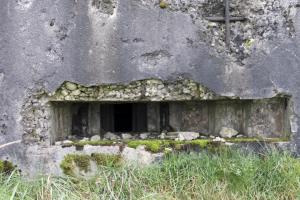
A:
(265, 21)
(105, 6)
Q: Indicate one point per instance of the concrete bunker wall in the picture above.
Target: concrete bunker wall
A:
(153, 106)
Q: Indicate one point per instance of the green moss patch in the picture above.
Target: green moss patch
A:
(156, 146)
(83, 162)
(268, 140)
(107, 160)
(93, 143)
(71, 161)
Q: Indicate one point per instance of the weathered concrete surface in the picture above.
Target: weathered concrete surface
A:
(44, 43)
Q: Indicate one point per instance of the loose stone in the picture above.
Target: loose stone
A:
(228, 132)
(188, 136)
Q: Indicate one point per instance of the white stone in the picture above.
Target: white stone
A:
(95, 138)
(126, 136)
(71, 86)
(218, 139)
(229, 143)
(144, 136)
(162, 135)
(67, 142)
(228, 132)
(58, 143)
(188, 136)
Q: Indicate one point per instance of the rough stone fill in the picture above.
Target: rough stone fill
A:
(144, 90)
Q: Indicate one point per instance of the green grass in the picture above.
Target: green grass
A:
(228, 175)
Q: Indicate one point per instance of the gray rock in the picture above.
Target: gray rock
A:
(111, 136)
(126, 136)
(95, 138)
(188, 136)
(140, 156)
(71, 86)
(172, 135)
(228, 132)
(144, 136)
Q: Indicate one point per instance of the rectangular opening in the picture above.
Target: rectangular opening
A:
(123, 118)
(251, 118)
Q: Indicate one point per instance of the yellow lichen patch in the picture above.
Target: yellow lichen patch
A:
(163, 4)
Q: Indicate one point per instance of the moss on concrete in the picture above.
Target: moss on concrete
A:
(83, 162)
(156, 145)
(6, 167)
(71, 161)
(93, 143)
(247, 139)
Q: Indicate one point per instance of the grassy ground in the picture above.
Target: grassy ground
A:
(229, 175)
